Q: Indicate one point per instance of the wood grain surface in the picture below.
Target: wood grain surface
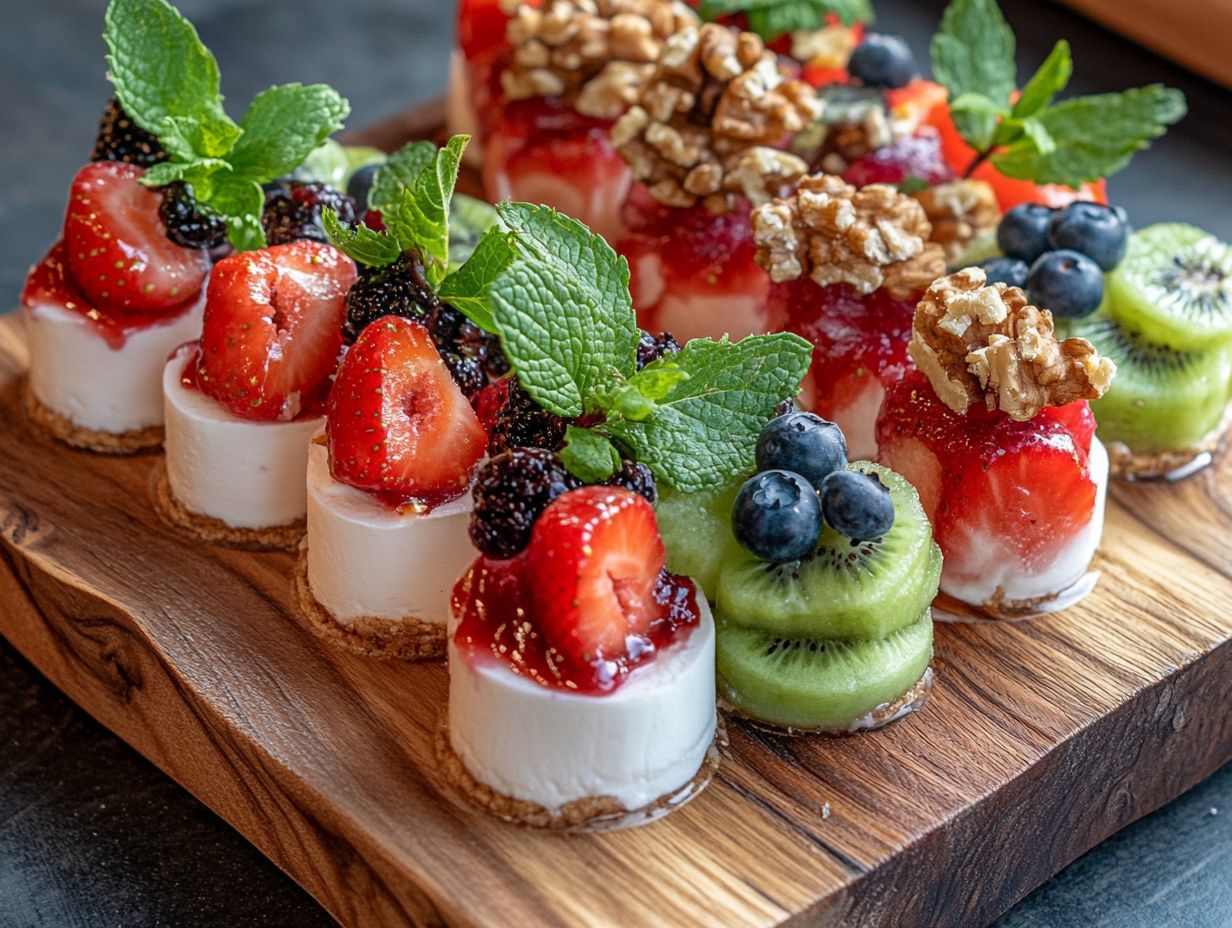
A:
(1041, 738)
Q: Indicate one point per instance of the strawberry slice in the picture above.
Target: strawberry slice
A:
(117, 246)
(542, 152)
(593, 563)
(398, 424)
(273, 329)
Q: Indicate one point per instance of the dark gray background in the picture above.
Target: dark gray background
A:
(91, 834)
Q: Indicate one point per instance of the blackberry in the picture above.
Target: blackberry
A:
(523, 423)
(467, 373)
(398, 289)
(445, 325)
(293, 211)
(453, 331)
(652, 347)
(637, 478)
(187, 226)
(121, 139)
(511, 491)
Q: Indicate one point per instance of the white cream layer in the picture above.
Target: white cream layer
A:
(365, 559)
(1065, 570)
(645, 740)
(247, 474)
(74, 372)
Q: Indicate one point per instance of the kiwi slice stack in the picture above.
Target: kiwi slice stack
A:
(1166, 320)
(823, 643)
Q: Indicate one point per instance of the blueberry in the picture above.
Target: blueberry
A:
(1066, 282)
(1023, 231)
(804, 443)
(777, 516)
(1100, 232)
(857, 505)
(1009, 271)
(360, 185)
(882, 60)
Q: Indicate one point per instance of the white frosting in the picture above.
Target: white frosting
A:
(247, 473)
(365, 559)
(76, 373)
(548, 746)
(460, 115)
(1065, 571)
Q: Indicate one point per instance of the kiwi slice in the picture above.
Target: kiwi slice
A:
(696, 530)
(805, 683)
(469, 218)
(1161, 399)
(1174, 287)
(844, 589)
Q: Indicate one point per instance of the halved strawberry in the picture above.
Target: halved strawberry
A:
(117, 246)
(593, 565)
(398, 425)
(273, 329)
(541, 152)
(999, 491)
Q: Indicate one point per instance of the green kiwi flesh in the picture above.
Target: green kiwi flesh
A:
(696, 531)
(806, 684)
(1161, 399)
(843, 590)
(1174, 287)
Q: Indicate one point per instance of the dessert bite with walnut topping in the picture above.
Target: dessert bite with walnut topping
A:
(542, 89)
(996, 433)
(847, 266)
(705, 141)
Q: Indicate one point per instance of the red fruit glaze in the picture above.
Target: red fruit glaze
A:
(583, 606)
(917, 156)
(987, 480)
(482, 27)
(117, 247)
(398, 426)
(693, 272)
(273, 329)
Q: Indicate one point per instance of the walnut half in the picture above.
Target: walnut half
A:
(988, 343)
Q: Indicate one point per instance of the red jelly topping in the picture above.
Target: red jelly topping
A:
(492, 603)
(50, 283)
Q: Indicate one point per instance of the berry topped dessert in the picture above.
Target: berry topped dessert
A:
(551, 87)
(581, 671)
(996, 433)
(704, 141)
(826, 573)
(389, 483)
(173, 178)
(848, 266)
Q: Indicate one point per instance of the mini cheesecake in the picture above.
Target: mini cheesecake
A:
(581, 673)
(388, 497)
(243, 404)
(104, 308)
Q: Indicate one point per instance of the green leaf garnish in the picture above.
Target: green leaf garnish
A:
(468, 289)
(773, 18)
(282, 127)
(418, 217)
(398, 172)
(588, 455)
(1034, 138)
(360, 244)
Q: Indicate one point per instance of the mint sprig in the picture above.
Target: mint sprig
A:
(1069, 142)
(773, 18)
(558, 297)
(168, 83)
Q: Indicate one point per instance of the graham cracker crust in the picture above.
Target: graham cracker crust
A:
(65, 430)
(409, 639)
(215, 531)
(592, 813)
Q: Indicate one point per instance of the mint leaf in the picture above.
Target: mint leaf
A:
(1092, 136)
(705, 429)
(589, 456)
(158, 65)
(195, 138)
(469, 220)
(283, 125)
(658, 378)
(361, 244)
(562, 309)
(193, 172)
(419, 217)
(399, 172)
(238, 200)
(973, 53)
(773, 18)
(1051, 78)
(468, 289)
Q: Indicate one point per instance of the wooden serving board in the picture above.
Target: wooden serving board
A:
(1040, 739)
